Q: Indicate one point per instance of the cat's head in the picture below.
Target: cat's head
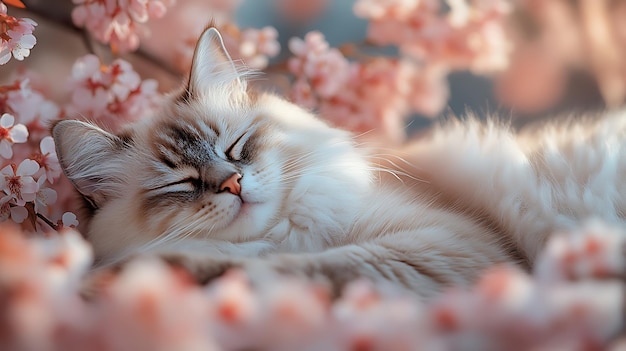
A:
(216, 162)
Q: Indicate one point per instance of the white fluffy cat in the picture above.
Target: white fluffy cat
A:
(226, 177)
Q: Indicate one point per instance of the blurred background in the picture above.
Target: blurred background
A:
(562, 56)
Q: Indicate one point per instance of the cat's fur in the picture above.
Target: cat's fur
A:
(465, 197)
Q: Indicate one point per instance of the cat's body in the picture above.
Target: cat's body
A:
(222, 178)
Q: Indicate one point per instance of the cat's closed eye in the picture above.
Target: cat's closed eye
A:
(188, 184)
(233, 153)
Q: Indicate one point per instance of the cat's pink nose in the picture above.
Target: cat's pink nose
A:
(232, 184)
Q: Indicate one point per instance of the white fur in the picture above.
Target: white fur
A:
(547, 179)
(468, 195)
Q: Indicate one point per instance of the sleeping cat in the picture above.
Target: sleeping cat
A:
(227, 177)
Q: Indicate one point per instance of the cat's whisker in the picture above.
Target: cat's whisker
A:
(175, 230)
(362, 134)
(396, 167)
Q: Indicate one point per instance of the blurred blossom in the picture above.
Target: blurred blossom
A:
(117, 22)
(257, 46)
(376, 94)
(429, 90)
(593, 251)
(471, 35)
(374, 99)
(114, 94)
(567, 36)
(151, 306)
(534, 82)
(325, 68)
(301, 10)
(226, 6)
(251, 46)
(29, 107)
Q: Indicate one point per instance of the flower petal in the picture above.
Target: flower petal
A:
(69, 219)
(8, 171)
(19, 214)
(21, 53)
(19, 133)
(48, 196)
(7, 120)
(47, 146)
(6, 151)
(29, 188)
(5, 56)
(27, 167)
(28, 41)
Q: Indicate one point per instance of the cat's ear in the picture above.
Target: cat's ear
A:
(212, 69)
(91, 158)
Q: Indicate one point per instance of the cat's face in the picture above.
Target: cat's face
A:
(215, 163)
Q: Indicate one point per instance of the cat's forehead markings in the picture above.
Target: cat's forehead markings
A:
(184, 141)
(178, 133)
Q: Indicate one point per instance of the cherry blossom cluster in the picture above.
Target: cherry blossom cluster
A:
(251, 47)
(469, 35)
(363, 96)
(152, 306)
(113, 94)
(16, 36)
(117, 22)
(254, 47)
(378, 93)
(32, 192)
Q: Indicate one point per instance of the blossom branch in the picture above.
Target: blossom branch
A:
(48, 222)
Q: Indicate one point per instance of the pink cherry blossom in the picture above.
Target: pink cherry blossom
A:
(374, 95)
(44, 197)
(257, 46)
(302, 93)
(252, 47)
(29, 107)
(189, 20)
(429, 91)
(114, 93)
(16, 36)
(118, 23)
(227, 6)
(376, 98)
(149, 305)
(48, 160)
(17, 181)
(593, 251)
(314, 43)
(10, 134)
(469, 35)
(16, 213)
(325, 68)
